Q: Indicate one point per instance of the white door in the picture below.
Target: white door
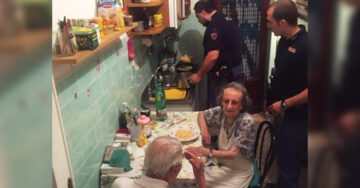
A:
(60, 157)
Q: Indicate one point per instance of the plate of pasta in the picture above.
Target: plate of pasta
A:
(184, 133)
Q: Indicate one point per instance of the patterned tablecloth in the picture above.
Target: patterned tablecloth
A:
(186, 176)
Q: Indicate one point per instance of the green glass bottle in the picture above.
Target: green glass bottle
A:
(160, 106)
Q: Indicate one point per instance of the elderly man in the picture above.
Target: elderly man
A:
(288, 93)
(163, 162)
(237, 134)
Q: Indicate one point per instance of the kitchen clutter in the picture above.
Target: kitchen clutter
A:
(86, 34)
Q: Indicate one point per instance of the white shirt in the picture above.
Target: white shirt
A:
(143, 182)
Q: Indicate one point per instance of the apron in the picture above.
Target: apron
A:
(235, 172)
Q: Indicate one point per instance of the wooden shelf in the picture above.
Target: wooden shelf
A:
(150, 31)
(153, 3)
(25, 41)
(82, 55)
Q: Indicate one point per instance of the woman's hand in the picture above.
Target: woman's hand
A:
(206, 139)
(199, 151)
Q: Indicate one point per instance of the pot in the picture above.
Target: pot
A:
(184, 67)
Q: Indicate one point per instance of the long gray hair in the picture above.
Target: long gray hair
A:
(245, 102)
(159, 158)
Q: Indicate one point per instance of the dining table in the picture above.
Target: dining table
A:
(175, 120)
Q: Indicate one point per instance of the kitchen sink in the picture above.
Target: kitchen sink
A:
(171, 81)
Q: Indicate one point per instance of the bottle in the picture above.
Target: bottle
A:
(160, 104)
(119, 7)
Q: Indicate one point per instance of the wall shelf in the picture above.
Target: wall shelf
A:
(83, 55)
(150, 31)
(153, 3)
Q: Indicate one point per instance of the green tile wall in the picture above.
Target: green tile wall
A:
(91, 120)
(25, 121)
(191, 34)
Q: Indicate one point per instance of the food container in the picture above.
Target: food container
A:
(151, 21)
(86, 38)
(128, 19)
(108, 29)
(134, 131)
(140, 26)
(144, 121)
(98, 21)
(157, 20)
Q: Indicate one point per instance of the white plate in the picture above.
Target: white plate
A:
(174, 129)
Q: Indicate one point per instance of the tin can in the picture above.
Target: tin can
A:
(157, 20)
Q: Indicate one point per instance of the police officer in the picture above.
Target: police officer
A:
(288, 94)
(221, 50)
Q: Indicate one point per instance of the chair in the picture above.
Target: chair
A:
(264, 153)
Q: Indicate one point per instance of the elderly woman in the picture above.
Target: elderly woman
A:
(236, 131)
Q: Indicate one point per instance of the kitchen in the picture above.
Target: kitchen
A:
(91, 94)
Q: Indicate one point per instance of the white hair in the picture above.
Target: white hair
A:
(160, 157)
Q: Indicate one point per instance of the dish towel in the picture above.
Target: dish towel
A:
(120, 158)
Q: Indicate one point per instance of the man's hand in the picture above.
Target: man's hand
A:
(275, 108)
(198, 168)
(349, 123)
(194, 78)
(206, 139)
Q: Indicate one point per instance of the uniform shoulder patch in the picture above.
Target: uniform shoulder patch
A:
(214, 35)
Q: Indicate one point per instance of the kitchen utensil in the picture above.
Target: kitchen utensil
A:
(175, 121)
(184, 67)
(128, 19)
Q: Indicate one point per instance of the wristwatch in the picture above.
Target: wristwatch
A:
(283, 106)
(211, 153)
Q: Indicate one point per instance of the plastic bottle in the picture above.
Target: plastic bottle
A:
(160, 105)
(121, 18)
(119, 7)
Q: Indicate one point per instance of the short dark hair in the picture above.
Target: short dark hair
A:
(285, 9)
(245, 102)
(203, 5)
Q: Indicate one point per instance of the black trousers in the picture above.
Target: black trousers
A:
(215, 84)
(292, 151)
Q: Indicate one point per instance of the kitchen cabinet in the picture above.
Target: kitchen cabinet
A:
(172, 11)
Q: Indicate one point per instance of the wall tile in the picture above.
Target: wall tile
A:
(90, 122)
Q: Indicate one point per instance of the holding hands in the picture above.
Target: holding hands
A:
(198, 168)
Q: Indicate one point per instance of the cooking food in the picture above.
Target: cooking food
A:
(185, 68)
(185, 59)
(184, 134)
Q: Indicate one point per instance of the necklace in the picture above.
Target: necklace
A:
(229, 128)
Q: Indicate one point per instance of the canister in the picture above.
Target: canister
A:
(157, 20)
(86, 38)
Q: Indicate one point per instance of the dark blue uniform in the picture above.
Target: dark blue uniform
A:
(222, 34)
(289, 79)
